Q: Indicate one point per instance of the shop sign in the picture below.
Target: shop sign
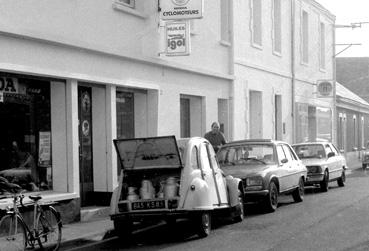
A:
(325, 89)
(8, 85)
(181, 9)
(177, 38)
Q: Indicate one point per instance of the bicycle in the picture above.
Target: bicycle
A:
(15, 234)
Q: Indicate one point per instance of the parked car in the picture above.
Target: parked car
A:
(267, 168)
(165, 179)
(365, 156)
(323, 162)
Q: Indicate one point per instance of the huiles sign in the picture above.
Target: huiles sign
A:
(177, 36)
(181, 9)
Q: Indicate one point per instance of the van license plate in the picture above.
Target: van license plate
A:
(144, 205)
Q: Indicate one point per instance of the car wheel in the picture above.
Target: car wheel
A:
(271, 200)
(364, 166)
(341, 181)
(123, 229)
(203, 224)
(298, 194)
(241, 208)
(324, 182)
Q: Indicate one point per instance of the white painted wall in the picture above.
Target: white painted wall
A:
(99, 26)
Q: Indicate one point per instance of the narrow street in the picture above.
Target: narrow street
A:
(336, 220)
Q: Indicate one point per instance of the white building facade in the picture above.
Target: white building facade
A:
(77, 74)
(282, 49)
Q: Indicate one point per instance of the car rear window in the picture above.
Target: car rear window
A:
(247, 154)
(310, 151)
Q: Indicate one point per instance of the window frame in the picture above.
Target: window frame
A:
(304, 44)
(254, 43)
(277, 17)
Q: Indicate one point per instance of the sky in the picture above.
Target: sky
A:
(347, 12)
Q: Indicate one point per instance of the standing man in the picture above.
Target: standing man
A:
(215, 136)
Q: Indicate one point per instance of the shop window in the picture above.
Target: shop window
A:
(25, 146)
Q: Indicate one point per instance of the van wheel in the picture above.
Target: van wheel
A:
(241, 208)
(123, 229)
(203, 224)
(341, 181)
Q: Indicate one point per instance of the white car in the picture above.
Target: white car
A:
(165, 179)
(323, 162)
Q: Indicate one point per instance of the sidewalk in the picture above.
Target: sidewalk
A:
(81, 233)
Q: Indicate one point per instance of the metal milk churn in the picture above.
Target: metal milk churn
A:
(132, 194)
(146, 190)
(171, 188)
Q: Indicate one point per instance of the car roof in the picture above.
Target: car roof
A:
(312, 143)
(254, 141)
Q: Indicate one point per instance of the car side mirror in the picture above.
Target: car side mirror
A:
(331, 154)
(284, 161)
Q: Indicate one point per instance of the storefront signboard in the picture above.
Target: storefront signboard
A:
(44, 150)
(177, 38)
(325, 89)
(181, 9)
(8, 85)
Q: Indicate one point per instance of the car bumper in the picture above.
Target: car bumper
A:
(314, 178)
(255, 196)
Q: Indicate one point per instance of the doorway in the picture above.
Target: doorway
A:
(85, 145)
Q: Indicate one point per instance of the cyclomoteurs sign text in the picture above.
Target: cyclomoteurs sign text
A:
(181, 9)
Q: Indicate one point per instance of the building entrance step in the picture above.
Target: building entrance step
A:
(93, 213)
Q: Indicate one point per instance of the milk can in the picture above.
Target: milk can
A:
(146, 190)
(171, 188)
(132, 194)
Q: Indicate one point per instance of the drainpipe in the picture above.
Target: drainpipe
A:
(293, 110)
(334, 117)
(231, 70)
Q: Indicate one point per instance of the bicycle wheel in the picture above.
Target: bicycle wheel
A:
(49, 229)
(12, 233)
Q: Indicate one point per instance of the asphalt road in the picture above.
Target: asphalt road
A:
(336, 220)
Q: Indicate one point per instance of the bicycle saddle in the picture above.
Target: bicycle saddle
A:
(35, 197)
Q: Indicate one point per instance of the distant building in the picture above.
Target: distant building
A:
(352, 121)
(282, 49)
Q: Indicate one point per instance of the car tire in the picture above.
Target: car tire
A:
(241, 208)
(325, 182)
(203, 224)
(298, 194)
(271, 200)
(123, 229)
(341, 181)
(364, 166)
